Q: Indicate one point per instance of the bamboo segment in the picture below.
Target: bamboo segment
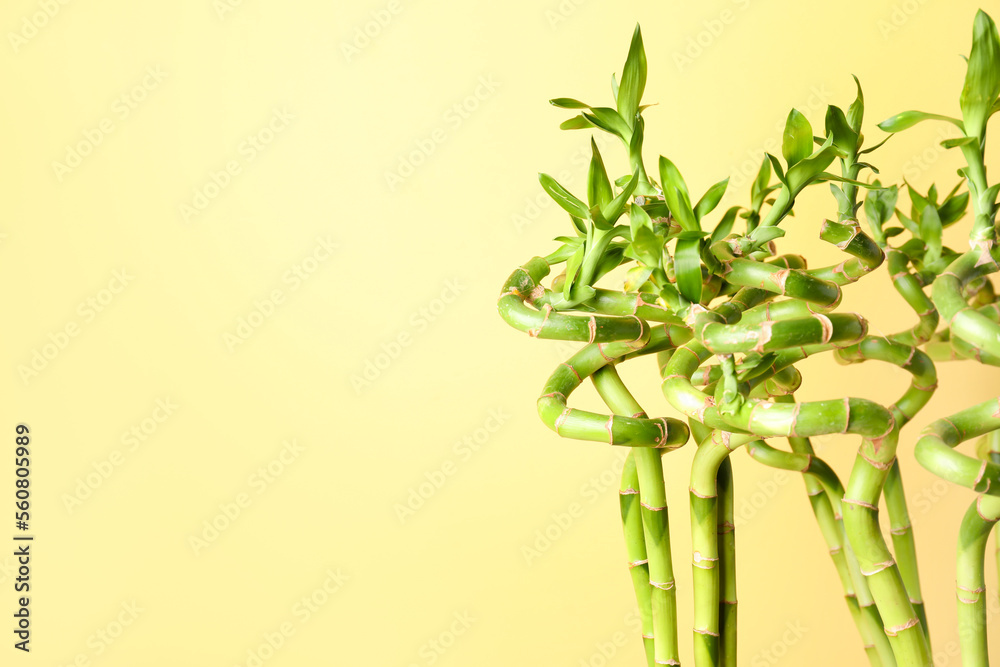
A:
(635, 545)
(653, 509)
(971, 584)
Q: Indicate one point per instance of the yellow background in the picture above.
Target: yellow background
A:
(443, 239)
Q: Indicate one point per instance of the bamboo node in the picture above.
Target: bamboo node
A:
(880, 465)
(637, 563)
(592, 326)
(662, 585)
(653, 508)
(573, 370)
(896, 629)
(701, 631)
(878, 567)
(561, 419)
(628, 492)
(859, 503)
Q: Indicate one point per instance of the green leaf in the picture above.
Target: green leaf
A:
(827, 176)
(612, 259)
(687, 267)
(676, 194)
(648, 247)
(616, 206)
(636, 278)
(575, 123)
(637, 217)
(844, 137)
(758, 190)
(608, 120)
(879, 207)
(889, 232)
(953, 208)
(910, 225)
(805, 171)
(778, 171)
(918, 202)
(958, 142)
(572, 268)
(614, 87)
(600, 222)
(599, 191)
(797, 140)
(907, 119)
(878, 145)
(725, 226)
(568, 103)
(563, 197)
(843, 203)
(930, 232)
(635, 153)
(856, 112)
(982, 78)
(710, 199)
(633, 79)
(579, 224)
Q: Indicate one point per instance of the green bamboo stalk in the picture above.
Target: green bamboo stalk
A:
(971, 583)
(848, 236)
(794, 283)
(901, 530)
(726, 523)
(935, 448)
(569, 422)
(635, 545)
(653, 503)
(524, 286)
(827, 508)
(705, 544)
(911, 289)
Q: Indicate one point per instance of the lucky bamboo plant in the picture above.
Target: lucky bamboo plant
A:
(728, 318)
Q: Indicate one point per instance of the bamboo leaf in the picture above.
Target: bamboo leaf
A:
(608, 120)
(612, 259)
(633, 79)
(578, 224)
(616, 206)
(572, 268)
(759, 188)
(562, 196)
(982, 78)
(805, 171)
(797, 140)
(636, 277)
(856, 112)
(576, 123)
(907, 119)
(910, 225)
(827, 176)
(710, 199)
(676, 194)
(958, 142)
(648, 247)
(568, 103)
(778, 171)
(687, 267)
(725, 226)
(599, 191)
(844, 137)
(637, 217)
(930, 232)
(953, 208)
